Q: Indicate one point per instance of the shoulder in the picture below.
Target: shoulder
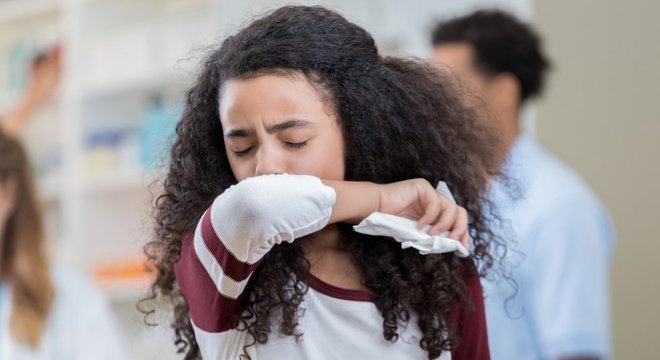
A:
(76, 294)
(557, 201)
(553, 188)
(556, 175)
(82, 322)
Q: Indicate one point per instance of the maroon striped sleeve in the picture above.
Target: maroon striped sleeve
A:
(231, 266)
(469, 322)
(209, 309)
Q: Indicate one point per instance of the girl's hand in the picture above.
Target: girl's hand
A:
(416, 199)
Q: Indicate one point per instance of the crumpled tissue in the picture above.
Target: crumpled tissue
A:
(406, 232)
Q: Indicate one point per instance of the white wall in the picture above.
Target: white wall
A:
(602, 115)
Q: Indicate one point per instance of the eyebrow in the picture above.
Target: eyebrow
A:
(285, 125)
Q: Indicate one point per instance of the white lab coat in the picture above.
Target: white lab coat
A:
(80, 326)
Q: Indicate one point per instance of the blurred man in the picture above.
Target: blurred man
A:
(560, 249)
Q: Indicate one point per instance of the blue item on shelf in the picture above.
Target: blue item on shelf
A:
(155, 134)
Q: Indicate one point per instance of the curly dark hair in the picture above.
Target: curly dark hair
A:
(501, 43)
(400, 119)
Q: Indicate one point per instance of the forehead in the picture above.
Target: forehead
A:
(270, 95)
(457, 56)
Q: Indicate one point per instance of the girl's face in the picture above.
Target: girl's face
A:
(279, 124)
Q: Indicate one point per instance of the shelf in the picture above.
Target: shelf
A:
(123, 280)
(99, 184)
(50, 190)
(14, 10)
(125, 290)
(138, 86)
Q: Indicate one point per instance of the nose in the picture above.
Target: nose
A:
(269, 161)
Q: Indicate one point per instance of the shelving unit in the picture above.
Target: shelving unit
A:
(97, 208)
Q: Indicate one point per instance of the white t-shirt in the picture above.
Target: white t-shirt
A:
(80, 325)
(230, 240)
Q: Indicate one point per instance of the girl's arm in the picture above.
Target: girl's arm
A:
(249, 218)
(234, 234)
(414, 199)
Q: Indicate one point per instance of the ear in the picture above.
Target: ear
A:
(504, 90)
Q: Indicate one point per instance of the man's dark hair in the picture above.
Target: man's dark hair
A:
(501, 43)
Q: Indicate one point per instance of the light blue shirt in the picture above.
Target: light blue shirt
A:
(560, 241)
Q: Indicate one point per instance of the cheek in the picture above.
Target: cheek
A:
(328, 166)
(240, 169)
(330, 158)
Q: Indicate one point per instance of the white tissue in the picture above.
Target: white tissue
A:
(406, 232)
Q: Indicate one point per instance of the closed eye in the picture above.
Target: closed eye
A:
(243, 152)
(298, 145)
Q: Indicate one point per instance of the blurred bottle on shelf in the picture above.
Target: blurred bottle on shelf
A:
(155, 133)
(110, 150)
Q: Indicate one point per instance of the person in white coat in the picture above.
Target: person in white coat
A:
(46, 313)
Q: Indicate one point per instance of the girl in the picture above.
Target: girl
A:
(295, 129)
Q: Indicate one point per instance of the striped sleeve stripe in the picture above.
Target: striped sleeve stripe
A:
(209, 309)
(232, 267)
(226, 285)
(222, 345)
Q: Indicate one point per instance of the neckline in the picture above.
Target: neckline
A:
(337, 292)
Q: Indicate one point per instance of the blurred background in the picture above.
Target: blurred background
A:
(98, 145)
